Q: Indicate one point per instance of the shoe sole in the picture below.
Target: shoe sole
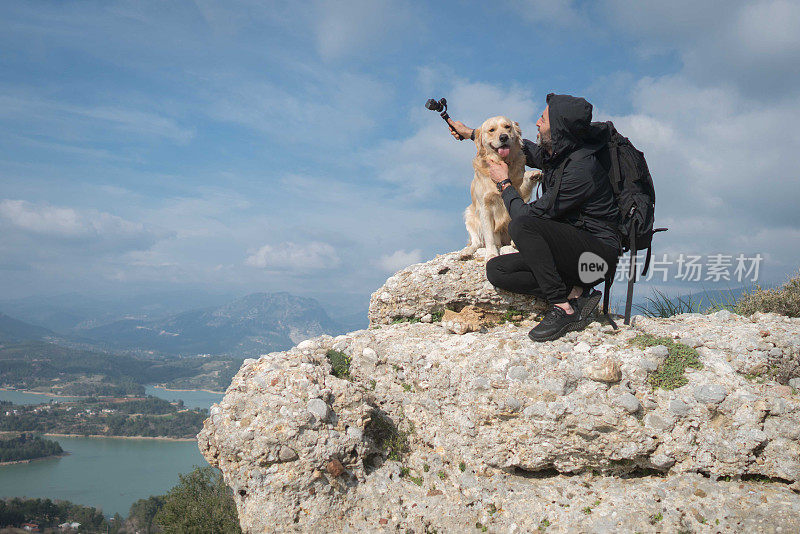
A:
(590, 306)
(580, 324)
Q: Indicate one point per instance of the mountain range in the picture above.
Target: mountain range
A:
(245, 327)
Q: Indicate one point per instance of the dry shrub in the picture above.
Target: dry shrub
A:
(784, 300)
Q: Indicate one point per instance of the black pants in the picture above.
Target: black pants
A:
(547, 262)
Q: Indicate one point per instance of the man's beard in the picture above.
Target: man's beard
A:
(545, 141)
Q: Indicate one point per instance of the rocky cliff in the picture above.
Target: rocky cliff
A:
(678, 424)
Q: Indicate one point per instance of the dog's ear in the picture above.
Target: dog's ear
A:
(479, 142)
(518, 132)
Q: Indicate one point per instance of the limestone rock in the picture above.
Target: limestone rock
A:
(440, 432)
(469, 319)
(445, 282)
(607, 371)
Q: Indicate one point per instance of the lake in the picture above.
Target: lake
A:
(192, 398)
(108, 473)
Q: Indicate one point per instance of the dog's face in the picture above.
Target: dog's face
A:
(498, 136)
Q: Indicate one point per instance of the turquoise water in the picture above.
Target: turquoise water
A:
(21, 397)
(108, 473)
(191, 399)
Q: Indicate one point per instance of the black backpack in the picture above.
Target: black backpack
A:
(636, 198)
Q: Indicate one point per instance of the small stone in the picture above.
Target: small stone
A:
(662, 461)
(659, 423)
(628, 402)
(434, 493)
(710, 393)
(648, 365)
(318, 408)
(335, 468)
(691, 342)
(582, 347)
(287, 454)
(658, 352)
(513, 405)
(427, 318)
(517, 372)
(607, 371)
(700, 493)
(308, 344)
(370, 355)
(679, 407)
(722, 316)
(481, 382)
(795, 383)
(557, 386)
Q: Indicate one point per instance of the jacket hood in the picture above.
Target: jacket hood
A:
(570, 118)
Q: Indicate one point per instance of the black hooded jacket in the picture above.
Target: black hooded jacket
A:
(584, 198)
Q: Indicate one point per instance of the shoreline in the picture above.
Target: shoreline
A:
(203, 390)
(89, 396)
(44, 393)
(162, 438)
(29, 460)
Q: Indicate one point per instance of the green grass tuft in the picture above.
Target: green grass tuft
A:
(399, 319)
(390, 439)
(340, 363)
(511, 313)
(669, 374)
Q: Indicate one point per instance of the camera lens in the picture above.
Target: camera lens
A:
(433, 105)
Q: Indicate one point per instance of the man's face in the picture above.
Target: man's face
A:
(543, 138)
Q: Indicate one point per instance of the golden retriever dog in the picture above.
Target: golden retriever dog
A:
(499, 138)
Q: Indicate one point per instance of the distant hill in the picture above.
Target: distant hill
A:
(248, 326)
(67, 312)
(15, 331)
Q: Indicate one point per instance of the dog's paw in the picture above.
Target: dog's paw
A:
(467, 253)
(491, 253)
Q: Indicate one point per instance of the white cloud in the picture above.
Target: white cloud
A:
(753, 45)
(298, 257)
(66, 222)
(399, 259)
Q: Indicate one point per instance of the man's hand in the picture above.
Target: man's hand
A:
(498, 171)
(458, 128)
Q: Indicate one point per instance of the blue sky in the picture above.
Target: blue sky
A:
(263, 146)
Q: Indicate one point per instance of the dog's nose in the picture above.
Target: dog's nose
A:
(503, 138)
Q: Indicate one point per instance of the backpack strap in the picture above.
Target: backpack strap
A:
(613, 150)
(647, 261)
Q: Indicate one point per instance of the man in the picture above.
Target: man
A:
(575, 215)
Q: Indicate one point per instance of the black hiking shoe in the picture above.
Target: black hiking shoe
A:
(585, 304)
(555, 324)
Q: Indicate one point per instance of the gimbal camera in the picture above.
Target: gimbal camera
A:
(441, 105)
